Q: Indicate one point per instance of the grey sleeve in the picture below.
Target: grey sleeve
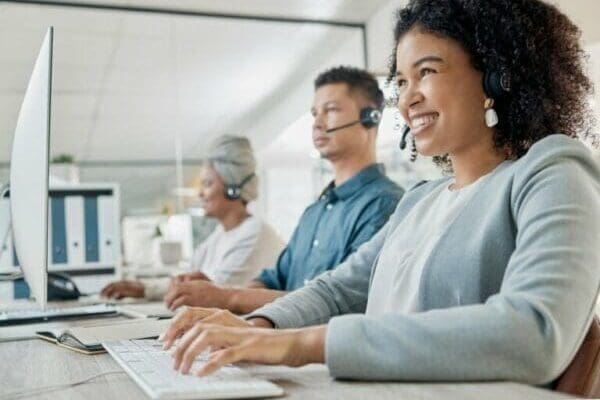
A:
(532, 328)
(340, 291)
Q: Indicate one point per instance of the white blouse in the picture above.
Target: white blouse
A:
(395, 283)
(233, 257)
(236, 257)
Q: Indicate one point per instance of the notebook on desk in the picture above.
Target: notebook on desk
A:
(88, 339)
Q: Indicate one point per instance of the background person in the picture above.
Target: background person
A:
(240, 245)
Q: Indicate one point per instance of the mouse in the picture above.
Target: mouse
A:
(61, 287)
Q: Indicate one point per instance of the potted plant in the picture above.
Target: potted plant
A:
(63, 167)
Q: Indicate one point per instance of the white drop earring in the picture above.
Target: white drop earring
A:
(491, 116)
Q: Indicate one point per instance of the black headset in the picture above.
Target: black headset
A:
(496, 85)
(234, 191)
(369, 117)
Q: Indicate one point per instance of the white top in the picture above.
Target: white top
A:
(233, 257)
(395, 284)
(236, 257)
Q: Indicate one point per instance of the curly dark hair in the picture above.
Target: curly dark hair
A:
(358, 80)
(531, 41)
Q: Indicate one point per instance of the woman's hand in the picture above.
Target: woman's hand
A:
(185, 319)
(190, 276)
(198, 293)
(118, 290)
(292, 347)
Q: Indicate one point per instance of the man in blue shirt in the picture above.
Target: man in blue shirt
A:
(332, 228)
(352, 208)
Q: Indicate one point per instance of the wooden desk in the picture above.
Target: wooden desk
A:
(29, 364)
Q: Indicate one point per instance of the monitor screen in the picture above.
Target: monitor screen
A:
(29, 175)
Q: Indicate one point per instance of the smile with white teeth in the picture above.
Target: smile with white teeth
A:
(421, 122)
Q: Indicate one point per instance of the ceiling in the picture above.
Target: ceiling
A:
(128, 84)
(357, 11)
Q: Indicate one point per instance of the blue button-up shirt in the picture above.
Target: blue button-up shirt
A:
(333, 227)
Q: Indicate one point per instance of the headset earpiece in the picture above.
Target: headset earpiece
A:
(496, 85)
(370, 117)
(234, 192)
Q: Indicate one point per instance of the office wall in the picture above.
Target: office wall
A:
(380, 36)
(594, 70)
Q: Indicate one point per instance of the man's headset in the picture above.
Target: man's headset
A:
(496, 85)
(234, 191)
(369, 118)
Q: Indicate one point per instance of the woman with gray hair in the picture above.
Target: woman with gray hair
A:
(241, 244)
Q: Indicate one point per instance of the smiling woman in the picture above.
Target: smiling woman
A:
(489, 274)
(543, 66)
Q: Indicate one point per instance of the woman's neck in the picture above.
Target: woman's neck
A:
(472, 164)
(234, 217)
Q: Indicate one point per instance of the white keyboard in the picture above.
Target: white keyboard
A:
(26, 316)
(152, 369)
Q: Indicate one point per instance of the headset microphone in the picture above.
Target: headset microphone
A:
(405, 132)
(413, 150)
(337, 128)
(369, 117)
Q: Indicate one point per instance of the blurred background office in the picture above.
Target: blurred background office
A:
(141, 86)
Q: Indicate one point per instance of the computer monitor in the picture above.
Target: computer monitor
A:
(29, 175)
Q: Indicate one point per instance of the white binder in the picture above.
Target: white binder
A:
(108, 229)
(74, 214)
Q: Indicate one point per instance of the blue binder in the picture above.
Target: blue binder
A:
(92, 251)
(59, 230)
(21, 289)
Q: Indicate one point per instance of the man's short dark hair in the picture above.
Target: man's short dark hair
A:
(358, 80)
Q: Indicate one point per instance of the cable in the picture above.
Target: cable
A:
(53, 388)
(4, 240)
(3, 190)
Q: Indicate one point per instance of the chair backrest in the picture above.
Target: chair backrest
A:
(582, 376)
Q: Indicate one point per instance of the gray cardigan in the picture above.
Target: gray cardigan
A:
(508, 291)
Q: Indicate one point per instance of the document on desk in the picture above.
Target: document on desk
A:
(88, 339)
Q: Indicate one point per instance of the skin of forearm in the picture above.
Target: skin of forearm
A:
(309, 346)
(256, 285)
(260, 322)
(246, 300)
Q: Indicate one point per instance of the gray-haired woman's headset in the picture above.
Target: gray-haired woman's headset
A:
(234, 191)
